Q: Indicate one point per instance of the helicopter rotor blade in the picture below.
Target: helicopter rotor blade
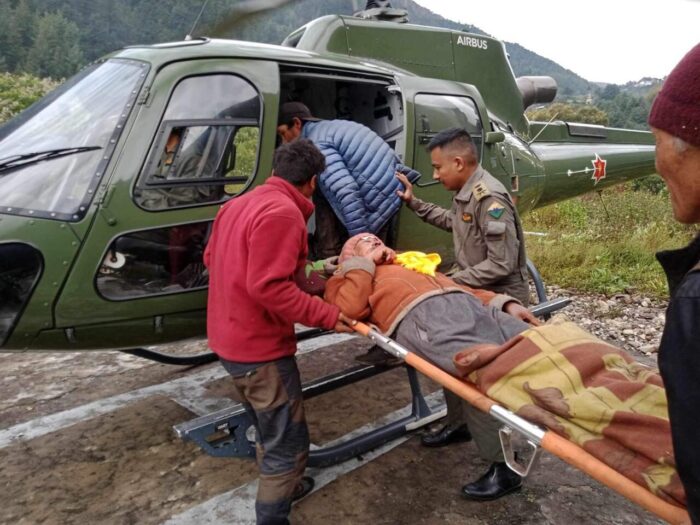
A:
(242, 11)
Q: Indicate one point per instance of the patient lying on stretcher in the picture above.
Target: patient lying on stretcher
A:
(436, 318)
(431, 313)
(558, 376)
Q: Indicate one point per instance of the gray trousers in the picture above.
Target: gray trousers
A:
(441, 326)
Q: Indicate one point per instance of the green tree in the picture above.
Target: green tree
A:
(569, 113)
(610, 91)
(628, 111)
(9, 38)
(56, 51)
(24, 21)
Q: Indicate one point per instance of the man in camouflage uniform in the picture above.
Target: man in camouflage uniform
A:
(490, 254)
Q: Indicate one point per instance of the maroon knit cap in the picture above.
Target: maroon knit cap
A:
(676, 108)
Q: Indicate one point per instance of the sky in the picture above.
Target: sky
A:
(611, 41)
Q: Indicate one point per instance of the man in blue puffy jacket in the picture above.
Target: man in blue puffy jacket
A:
(358, 188)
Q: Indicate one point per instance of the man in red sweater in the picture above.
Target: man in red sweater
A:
(258, 244)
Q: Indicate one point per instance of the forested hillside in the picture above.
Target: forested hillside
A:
(53, 38)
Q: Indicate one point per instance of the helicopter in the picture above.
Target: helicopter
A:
(110, 183)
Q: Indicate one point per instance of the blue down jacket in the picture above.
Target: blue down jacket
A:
(359, 181)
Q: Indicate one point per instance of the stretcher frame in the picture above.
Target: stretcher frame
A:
(224, 433)
(537, 437)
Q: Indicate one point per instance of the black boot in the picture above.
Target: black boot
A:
(306, 485)
(446, 435)
(497, 482)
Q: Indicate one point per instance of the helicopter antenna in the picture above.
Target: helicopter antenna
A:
(600, 194)
(543, 128)
(196, 21)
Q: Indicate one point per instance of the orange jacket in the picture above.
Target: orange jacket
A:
(384, 294)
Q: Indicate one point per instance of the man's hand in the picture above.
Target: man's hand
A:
(383, 256)
(520, 312)
(344, 324)
(407, 194)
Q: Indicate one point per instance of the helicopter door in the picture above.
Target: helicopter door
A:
(196, 142)
(432, 106)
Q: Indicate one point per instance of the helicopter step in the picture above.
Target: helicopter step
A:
(225, 433)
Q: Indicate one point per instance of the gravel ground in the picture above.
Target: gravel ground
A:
(629, 321)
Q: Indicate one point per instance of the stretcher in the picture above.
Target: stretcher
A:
(537, 438)
(225, 433)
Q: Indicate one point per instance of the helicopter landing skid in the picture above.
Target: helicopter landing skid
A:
(203, 358)
(225, 433)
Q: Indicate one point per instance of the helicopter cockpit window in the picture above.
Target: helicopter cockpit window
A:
(206, 148)
(438, 112)
(53, 154)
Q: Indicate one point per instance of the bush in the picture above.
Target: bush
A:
(605, 245)
(652, 184)
(19, 91)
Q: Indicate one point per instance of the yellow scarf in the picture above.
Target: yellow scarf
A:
(419, 262)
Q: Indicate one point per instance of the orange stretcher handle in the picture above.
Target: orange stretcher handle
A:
(554, 443)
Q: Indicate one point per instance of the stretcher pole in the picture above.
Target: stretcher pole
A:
(548, 440)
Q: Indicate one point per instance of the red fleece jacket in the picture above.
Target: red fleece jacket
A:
(258, 242)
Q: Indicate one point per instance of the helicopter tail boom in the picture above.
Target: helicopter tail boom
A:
(579, 158)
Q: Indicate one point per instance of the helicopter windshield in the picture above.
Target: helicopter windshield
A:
(54, 152)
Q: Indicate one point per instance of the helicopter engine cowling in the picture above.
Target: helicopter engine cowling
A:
(536, 90)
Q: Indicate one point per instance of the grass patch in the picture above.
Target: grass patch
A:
(606, 245)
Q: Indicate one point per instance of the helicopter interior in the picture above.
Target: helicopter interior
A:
(192, 157)
(373, 102)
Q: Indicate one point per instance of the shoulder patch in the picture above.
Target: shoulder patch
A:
(480, 191)
(496, 210)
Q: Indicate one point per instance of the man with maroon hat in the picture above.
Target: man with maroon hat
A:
(675, 122)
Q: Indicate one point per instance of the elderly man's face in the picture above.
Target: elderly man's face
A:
(372, 247)
(680, 169)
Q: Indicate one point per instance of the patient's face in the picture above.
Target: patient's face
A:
(372, 247)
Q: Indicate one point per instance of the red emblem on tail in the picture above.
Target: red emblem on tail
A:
(598, 169)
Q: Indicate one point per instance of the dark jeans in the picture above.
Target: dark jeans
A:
(271, 395)
(331, 234)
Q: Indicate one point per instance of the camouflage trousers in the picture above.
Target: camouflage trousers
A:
(270, 392)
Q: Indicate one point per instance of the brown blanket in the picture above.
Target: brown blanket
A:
(593, 394)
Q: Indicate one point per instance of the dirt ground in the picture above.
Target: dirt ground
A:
(87, 438)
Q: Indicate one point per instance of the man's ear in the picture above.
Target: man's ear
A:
(297, 123)
(466, 163)
(307, 189)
